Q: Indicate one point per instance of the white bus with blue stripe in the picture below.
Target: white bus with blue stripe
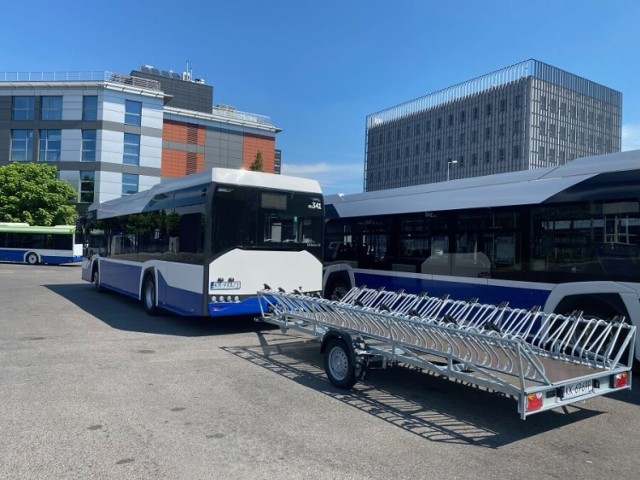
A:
(31, 244)
(565, 238)
(205, 244)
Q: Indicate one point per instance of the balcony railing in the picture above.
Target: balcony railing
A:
(80, 76)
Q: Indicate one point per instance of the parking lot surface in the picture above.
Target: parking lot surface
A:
(91, 388)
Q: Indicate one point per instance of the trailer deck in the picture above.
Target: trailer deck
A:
(542, 360)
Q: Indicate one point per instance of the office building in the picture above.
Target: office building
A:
(525, 116)
(111, 134)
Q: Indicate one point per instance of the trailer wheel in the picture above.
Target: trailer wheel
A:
(149, 295)
(339, 364)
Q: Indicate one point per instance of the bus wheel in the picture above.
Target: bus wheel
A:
(338, 288)
(32, 258)
(338, 364)
(149, 295)
(95, 278)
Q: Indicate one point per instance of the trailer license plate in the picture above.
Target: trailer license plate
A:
(578, 389)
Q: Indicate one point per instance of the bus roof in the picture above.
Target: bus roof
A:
(24, 227)
(527, 187)
(136, 202)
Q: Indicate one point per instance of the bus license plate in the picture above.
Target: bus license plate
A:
(578, 389)
(225, 285)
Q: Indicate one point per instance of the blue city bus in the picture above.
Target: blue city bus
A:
(24, 243)
(564, 238)
(205, 244)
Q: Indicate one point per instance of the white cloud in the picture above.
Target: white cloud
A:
(630, 137)
(333, 178)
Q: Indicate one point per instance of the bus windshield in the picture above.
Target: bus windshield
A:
(249, 217)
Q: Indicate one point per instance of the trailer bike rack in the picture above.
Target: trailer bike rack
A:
(542, 360)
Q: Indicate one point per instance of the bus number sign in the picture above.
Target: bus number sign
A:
(225, 285)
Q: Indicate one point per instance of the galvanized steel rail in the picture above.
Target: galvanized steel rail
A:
(515, 351)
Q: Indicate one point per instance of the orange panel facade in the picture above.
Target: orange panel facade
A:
(178, 163)
(251, 144)
(183, 132)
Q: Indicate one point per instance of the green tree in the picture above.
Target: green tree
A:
(31, 193)
(257, 166)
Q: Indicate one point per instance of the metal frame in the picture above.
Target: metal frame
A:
(515, 351)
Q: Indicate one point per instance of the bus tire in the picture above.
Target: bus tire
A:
(149, 294)
(95, 279)
(337, 287)
(32, 258)
(339, 364)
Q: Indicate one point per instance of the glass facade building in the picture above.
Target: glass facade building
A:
(112, 134)
(525, 116)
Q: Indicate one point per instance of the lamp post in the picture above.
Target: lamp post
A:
(448, 165)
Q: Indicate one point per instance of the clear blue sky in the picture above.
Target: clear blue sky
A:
(319, 68)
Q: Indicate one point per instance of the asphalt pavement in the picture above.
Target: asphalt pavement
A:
(93, 388)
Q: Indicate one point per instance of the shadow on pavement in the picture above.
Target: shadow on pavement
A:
(125, 313)
(431, 407)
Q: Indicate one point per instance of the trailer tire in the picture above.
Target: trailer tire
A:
(149, 295)
(339, 364)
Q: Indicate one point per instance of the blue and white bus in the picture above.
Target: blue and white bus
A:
(24, 243)
(565, 238)
(205, 244)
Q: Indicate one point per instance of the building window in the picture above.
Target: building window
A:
(417, 148)
(543, 127)
(552, 155)
(501, 155)
(439, 123)
(450, 120)
(22, 108)
(462, 116)
(543, 102)
(503, 129)
(131, 154)
(503, 105)
(428, 127)
(90, 107)
(562, 157)
(398, 134)
(461, 161)
(21, 145)
(518, 101)
(462, 138)
(50, 143)
(417, 129)
(474, 159)
(552, 130)
(132, 112)
(516, 127)
(487, 133)
(129, 183)
(541, 153)
(427, 146)
(552, 105)
(475, 113)
(474, 136)
(87, 184)
(88, 146)
(449, 141)
(51, 108)
(487, 156)
(516, 152)
(563, 109)
(438, 144)
(489, 109)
